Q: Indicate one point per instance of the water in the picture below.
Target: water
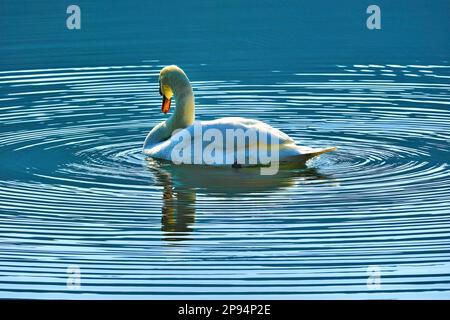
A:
(76, 189)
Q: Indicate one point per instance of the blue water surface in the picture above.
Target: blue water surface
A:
(371, 220)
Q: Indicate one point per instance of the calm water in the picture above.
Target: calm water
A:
(76, 191)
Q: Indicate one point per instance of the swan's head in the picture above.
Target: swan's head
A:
(172, 82)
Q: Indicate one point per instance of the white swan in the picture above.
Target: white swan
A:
(164, 138)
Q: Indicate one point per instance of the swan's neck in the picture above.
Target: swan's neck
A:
(184, 114)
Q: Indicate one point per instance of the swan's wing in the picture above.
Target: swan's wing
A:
(237, 123)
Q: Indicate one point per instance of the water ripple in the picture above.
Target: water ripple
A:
(76, 189)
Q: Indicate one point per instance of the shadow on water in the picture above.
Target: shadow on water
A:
(181, 183)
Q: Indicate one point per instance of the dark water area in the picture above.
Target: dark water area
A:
(77, 191)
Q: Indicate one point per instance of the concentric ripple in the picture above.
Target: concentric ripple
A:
(76, 189)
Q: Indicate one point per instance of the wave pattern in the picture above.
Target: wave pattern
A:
(76, 190)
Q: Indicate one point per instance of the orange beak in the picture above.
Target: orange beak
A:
(165, 105)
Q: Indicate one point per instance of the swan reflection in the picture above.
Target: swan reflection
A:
(181, 183)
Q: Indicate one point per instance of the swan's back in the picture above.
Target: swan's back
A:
(248, 125)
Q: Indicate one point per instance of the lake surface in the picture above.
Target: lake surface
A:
(76, 192)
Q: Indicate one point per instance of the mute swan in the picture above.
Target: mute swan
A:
(164, 139)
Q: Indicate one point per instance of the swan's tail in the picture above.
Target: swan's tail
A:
(305, 153)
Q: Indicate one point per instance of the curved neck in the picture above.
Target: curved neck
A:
(184, 114)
